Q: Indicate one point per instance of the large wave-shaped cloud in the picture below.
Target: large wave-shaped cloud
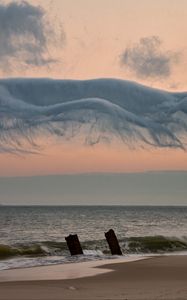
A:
(97, 109)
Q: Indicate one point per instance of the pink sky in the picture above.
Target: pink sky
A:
(97, 32)
(99, 158)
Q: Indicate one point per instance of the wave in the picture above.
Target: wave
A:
(155, 244)
(130, 245)
(7, 251)
(98, 109)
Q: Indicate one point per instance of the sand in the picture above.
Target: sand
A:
(154, 278)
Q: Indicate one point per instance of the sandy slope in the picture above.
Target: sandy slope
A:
(154, 278)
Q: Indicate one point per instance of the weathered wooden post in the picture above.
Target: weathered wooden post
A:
(73, 244)
(113, 242)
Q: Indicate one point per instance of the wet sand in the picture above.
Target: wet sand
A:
(154, 278)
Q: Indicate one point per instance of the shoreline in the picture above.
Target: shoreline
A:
(102, 260)
(65, 271)
(161, 277)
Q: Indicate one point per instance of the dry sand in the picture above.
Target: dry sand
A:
(155, 278)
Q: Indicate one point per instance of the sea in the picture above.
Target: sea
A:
(35, 235)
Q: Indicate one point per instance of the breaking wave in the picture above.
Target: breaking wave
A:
(130, 245)
(96, 109)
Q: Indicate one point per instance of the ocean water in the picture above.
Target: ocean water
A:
(35, 235)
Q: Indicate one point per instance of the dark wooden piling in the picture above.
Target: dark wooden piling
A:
(113, 242)
(73, 244)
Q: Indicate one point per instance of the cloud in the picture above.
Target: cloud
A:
(24, 35)
(99, 110)
(147, 59)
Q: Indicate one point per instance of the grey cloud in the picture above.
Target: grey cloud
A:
(24, 35)
(98, 110)
(147, 59)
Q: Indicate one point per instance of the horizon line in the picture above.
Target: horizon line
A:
(94, 173)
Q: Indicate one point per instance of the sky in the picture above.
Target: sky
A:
(148, 188)
(87, 39)
(142, 41)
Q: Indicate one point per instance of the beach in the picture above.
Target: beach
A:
(160, 277)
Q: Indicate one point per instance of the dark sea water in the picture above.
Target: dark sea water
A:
(35, 235)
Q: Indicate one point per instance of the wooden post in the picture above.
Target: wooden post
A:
(73, 244)
(113, 242)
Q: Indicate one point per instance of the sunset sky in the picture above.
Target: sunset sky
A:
(85, 39)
